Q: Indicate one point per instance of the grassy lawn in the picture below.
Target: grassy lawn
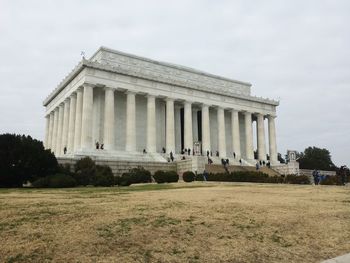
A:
(196, 222)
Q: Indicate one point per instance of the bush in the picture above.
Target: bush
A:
(188, 176)
(297, 179)
(165, 177)
(331, 180)
(55, 181)
(140, 175)
(85, 170)
(159, 177)
(103, 176)
(199, 177)
(134, 176)
(23, 159)
(172, 177)
(126, 179)
(256, 177)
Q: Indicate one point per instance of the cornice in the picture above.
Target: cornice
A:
(159, 78)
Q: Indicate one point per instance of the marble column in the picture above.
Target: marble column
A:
(130, 145)
(272, 140)
(78, 120)
(54, 132)
(151, 124)
(51, 129)
(248, 136)
(261, 137)
(71, 124)
(188, 139)
(205, 130)
(86, 119)
(221, 132)
(65, 125)
(195, 125)
(236, 143)
(47, 131)
(170, 126)
(59, 150)
(178, 144)
(109, 119)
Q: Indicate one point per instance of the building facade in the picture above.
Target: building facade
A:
(132, 104)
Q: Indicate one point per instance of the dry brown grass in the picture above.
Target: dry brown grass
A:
(214, 223)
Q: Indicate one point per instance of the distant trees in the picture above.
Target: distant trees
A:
(23, 159)
(316, 158)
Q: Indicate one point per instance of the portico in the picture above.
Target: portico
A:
(131, 104)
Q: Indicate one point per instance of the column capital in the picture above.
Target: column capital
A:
(270, 116)
(235, 110)
(88, 84)
(169, 99)
(73, 94)
(109, 88)
(150, 95)
(127, 92)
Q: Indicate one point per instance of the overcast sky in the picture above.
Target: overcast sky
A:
(296, 51)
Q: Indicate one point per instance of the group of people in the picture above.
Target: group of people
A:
(187, 151)
(99, 146)
(261, 163)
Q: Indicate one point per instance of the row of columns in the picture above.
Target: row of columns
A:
(70, 125)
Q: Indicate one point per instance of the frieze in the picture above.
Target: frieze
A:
(177, 76)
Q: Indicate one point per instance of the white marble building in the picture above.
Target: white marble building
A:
(131, 103)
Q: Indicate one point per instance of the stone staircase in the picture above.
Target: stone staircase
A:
(218, 168)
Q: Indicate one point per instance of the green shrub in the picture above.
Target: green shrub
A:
(166, 177)
(188, 176)
(297, 179)
(134, 176)
(103, 176)
(140, 175)
(199, 177)
(160, 177)
(85, 170)
(172, 177)
(331, 180)
(55, 181)
(126, 179)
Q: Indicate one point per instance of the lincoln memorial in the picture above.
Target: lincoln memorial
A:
(146, 110)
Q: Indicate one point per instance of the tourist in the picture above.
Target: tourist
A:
(185, 151)
(189, 151)
(257, 166)
(217, 153)
(211, 153)
(234, 155)
(260, 162)
(205, 175)
(65, 149)
(163, 150)
(342, 172)
(183, 158)
(264, 163)
(97, 145)
(268, 164)
(227, 161)
(208, 154)
(102, 145)
(240, 161)
(314, 175)
(171, 156)
(144, 151)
